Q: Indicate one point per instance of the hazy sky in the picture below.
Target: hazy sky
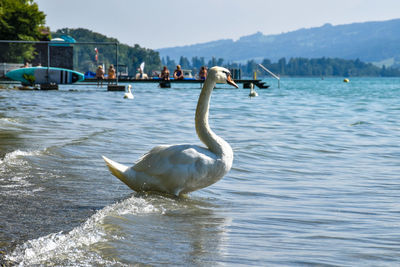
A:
(165, 23)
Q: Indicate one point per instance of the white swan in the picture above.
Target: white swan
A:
(253, 92)
(180, 169)
(129, 94)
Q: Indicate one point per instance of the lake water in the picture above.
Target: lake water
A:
(315, 177)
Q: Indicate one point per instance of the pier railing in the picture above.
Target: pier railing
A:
(272, 74)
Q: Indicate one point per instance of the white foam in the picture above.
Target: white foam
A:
(9, 120)
(74, 248)
(19, 153)
(14, 169)
(16, 158)
(11, 123)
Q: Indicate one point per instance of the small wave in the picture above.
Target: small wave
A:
(12, 156)
(359, 123)
(8, 124)
(15, 173)
(74, 247)
(9, 120)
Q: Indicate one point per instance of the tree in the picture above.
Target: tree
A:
(184, 62)
(197, 63)
(250, 67)
(21, 20)
(129, 56)
(215, 62)
(170, 63)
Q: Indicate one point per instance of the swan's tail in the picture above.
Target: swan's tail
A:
(116, 169)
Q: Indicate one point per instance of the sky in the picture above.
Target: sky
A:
(168, 23)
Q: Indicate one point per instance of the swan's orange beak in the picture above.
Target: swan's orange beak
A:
(231, 82)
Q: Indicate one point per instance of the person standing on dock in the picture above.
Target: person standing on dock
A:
(164, 75)
(203, 73)
(111, 74)
(178, 73)
(100, 75)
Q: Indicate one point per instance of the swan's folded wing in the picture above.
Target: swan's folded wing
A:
(177, 160)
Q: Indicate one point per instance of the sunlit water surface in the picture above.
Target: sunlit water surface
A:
(315, 178)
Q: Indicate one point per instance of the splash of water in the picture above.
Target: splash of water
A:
(13, 156)
(76, 246)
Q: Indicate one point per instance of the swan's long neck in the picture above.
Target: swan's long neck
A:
(214, 143)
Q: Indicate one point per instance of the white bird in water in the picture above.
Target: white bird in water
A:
(180, 169)
(129, 94)
(253, 92)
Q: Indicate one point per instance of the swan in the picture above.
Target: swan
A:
(129, 94)
(253, 92)
(180, 169)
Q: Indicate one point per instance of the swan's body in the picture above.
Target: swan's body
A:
(253, 92)
(129, 94)
(180, 169)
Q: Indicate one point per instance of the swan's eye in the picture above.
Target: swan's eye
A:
(227, 73)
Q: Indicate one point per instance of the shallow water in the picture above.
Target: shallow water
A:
(315, 178)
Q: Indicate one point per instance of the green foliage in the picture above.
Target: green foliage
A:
(320, 67)
(132, 57)
(184, 62)
(169, 63)
(20, 20)
(327, 67)
(195, 64)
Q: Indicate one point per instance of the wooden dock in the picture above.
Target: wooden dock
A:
(163, 84)
(167, 84)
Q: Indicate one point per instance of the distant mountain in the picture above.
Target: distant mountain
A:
(377, 42)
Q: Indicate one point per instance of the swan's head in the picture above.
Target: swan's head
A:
(221, 75)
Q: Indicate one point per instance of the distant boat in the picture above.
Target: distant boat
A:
(44, 75)
(187, 75)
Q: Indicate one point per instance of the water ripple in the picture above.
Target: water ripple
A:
(314, 179)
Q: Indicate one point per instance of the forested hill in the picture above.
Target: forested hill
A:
(369, 41)
(130, 56)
